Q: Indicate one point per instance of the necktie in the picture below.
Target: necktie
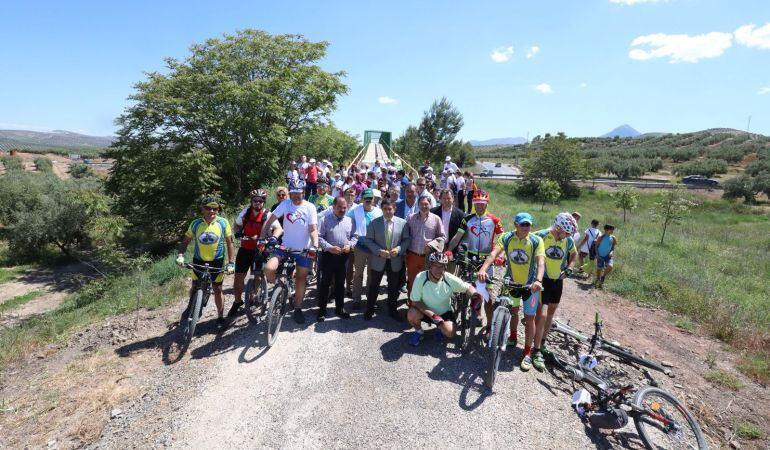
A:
(387, 235)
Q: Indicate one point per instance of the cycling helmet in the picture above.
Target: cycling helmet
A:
(566, 222)
(211, 200)
(297, 186)
(438, 258)
(481, 196)
(258, 193)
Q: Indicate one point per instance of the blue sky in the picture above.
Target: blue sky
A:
(694, 64)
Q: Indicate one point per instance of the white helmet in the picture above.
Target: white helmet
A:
(566, 222)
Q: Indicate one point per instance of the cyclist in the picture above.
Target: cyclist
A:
(249, 224)
(525, 255)
(212, 234)
(321, 199)
(432, 299)
(559, 258)
(300, 231)
(479, 232)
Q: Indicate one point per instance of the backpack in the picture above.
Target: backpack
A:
(594, 249)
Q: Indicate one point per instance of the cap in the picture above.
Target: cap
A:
(377, 193)
(523, 217)
(448, 158)
(312, 160)
(367, 193)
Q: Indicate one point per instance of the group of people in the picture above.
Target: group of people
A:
(411, 238)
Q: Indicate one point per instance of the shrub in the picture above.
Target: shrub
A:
(81, 170)
(43, 164)
(12, 163)
(705, 167)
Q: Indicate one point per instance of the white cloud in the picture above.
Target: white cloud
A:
(534, 50)
(751, 36)
(583, 84)
(385, 100)
(633, 2)
(763, 90)
(501, 54)
(680, 47)
(544, 88)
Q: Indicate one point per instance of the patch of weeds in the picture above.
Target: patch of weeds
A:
(684, 323)
(711, 357)
(722, 378)
(756, 367)
(748, 430)
(9, 273)
(19, 300)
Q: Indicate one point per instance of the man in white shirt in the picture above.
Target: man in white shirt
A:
(422, 191)
(449, 165)
(591, 234)
(362, 215)
(460, 191)
(300, 232)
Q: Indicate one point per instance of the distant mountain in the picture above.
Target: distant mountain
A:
(500, 141)
(57, 139)
(623, 131)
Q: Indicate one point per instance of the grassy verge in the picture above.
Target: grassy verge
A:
(712, 268)
(19, 300)
(722, 378)
(9, 273)
(154, 286)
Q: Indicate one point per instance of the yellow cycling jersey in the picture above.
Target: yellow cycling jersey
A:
(556, 253)
(209, 238)
(521, 255)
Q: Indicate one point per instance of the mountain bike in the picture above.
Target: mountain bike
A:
(597, 342)
(283, 290)
(661, 420)
(255, 293)
(500, 328)
(198, 300)
(467, 320)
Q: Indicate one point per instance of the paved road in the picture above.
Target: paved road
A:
(505, 169)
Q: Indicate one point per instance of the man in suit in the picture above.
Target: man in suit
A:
(387, 238)
(408, 204)
(451, 216)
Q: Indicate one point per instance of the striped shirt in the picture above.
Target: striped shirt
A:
(424, 231)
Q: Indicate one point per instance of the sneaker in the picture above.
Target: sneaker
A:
(538, 362)
(321, 316)
(415, 339)
(342, 314)
(234, 309)
(299, 316)
(221, 324)
(526, 363)
(545, 351)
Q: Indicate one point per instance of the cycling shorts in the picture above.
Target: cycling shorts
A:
(603, 261)
(448, 316)
(245, 258)
(302, 261)
(216, 264)
(552, 290)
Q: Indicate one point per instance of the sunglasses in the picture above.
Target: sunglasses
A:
(525, 224)
(211, 208)
(257, 200)
(369, 199)
(418, 184)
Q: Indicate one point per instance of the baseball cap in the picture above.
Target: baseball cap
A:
(377, 193)
(368, 193)
(312, 160)
(523, 217)
(448, 158)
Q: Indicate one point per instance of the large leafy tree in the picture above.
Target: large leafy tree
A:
(558, 160)
(438, 128)
(222, 119)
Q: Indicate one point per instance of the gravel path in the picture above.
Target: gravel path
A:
(343, 384)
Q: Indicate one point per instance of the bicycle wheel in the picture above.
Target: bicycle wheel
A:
(664, 422)
(467, 324)
(276, 309)
(191, 321)
(501, 320)
(255, 296)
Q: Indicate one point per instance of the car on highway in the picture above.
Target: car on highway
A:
(699, 180)
(486, 173)
(498, 164)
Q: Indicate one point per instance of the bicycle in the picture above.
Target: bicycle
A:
(597, 342)
(255, 292)
(661, 420)
(284, 288)
(198, 300)
(467, 320)
(500, 328)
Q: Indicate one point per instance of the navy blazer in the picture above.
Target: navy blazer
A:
(401, 208)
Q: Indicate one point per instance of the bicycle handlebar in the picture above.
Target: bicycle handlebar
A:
(204, 267)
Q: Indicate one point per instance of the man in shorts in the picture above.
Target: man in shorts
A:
(559, 258)
(525, 256)
(605, 250)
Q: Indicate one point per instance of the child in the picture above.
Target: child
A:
(605, 247)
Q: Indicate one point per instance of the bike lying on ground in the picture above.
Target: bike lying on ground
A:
(283, 290)
(500, 328)
(198, 300)
(661, 420)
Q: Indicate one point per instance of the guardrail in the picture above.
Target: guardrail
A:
(607, 182)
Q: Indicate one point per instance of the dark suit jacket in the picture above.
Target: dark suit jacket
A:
(401, 208)
(454, 221)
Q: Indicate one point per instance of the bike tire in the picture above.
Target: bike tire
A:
(255, 298)
(626, 355)
(501, 321)
(191, 321)
(275, 312)
(652, 431)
